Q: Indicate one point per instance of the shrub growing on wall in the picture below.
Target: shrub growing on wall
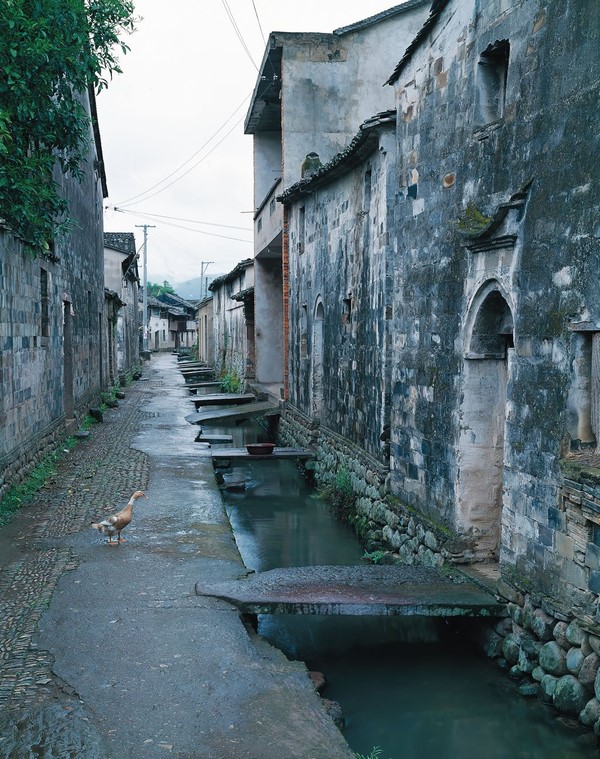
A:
(51, 52)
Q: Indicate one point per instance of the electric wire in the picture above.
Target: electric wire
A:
(258, 22)
(200, 149)
(190, 221)
(190, 229)
(238, 33)
(185, 173)
(225, 136)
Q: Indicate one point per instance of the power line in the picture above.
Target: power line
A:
(185, 173)
(176, 218)
(258, 22)
(239, 34)
(200, 149)
(189, 229)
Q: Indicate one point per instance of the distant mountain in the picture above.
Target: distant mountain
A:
(194, 289)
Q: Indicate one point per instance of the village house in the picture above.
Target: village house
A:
(53, 364)
(171, 323)
(441, 316)
(206, 337)
(312, 92)
(233, 321)
(121, 286)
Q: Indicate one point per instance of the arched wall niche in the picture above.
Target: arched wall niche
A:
(316, 383)
(489, 339)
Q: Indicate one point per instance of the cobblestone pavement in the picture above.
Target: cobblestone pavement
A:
(184, 676)
(92, 477)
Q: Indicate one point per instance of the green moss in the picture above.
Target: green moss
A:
(374, 557)
(580, 472)
(396, 504)
(20, 494)
(472, 220)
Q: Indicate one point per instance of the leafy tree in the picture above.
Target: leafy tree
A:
(156, 290)
(51, 52)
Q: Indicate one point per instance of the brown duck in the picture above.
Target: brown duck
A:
(116, 522)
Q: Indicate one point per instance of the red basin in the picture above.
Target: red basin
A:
(260, 449)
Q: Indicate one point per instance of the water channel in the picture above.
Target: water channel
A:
(413, 687)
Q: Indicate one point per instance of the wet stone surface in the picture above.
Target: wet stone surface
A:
(108, 653)
(32, 560)
(357, 590)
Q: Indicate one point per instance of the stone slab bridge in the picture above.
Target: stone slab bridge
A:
(357, 590)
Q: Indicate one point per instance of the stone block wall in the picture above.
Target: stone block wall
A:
(340, 292)
(382, 522)
(47, 375)
(553, 656)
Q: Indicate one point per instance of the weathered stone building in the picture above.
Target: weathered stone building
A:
(233, 321)
(171, 323)
(493, 313)
(52, 364)
(206, 337)
(443, 319)
(313, 91)
(121, 283)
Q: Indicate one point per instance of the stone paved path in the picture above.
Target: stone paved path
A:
(88, 480)
(107, 653)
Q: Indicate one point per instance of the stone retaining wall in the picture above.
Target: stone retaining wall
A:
(382, 522)
(15, 470)
(549, 644)
(15, 467)
(554, 657)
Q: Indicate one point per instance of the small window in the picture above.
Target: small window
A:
(491, 82)
(44, 307)
(367, 190)
(301, 229)
(347, 310)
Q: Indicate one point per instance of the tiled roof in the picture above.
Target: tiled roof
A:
(362, 145)
(244, 295)
(124, 242)
(437, 6)
(239, 268)
(389, 13)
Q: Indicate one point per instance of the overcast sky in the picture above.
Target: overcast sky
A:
(172, 124)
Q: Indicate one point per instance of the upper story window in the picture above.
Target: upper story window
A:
(492, 71)
(301, 228)
(44, 304)
(368, 178)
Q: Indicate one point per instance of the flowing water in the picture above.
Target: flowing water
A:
(412, 686)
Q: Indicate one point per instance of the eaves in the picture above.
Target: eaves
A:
(243, 295)
(363, 144)
(437, 6)
(409, 5)
(242, 266)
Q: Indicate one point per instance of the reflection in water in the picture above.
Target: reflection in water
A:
(409, 685)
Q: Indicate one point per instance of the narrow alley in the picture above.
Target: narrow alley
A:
(107, 653)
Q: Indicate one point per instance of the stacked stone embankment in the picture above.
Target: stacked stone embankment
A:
(552, 646)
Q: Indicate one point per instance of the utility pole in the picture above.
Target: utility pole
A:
(145, 227)
(203, 281)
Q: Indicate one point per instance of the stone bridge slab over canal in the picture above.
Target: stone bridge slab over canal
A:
(357, 590)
